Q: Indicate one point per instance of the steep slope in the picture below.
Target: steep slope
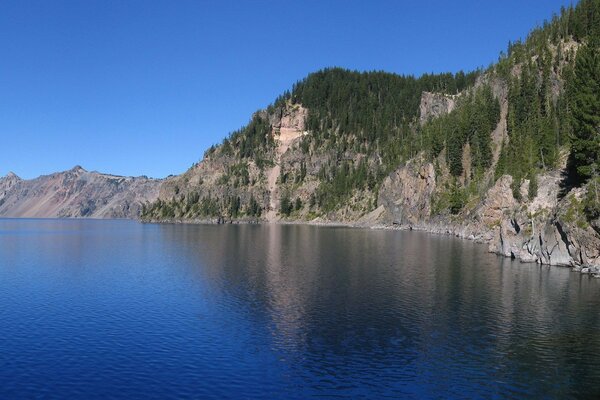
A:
(332, 139)
(76, 193)
(499, 155)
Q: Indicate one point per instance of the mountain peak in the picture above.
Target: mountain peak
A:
(12, 175)
(78, 168)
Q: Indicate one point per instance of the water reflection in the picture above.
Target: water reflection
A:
(135, 310)
(353, 307)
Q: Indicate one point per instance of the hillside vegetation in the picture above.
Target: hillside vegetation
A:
(325, 148)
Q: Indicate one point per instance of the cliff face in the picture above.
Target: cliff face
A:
(76, 193)
(549, 226)
(406, 194)
(435, 104)
(224, 176)
(224, 186)
(547, 229)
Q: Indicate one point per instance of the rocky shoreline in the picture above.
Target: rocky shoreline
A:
(459, 231)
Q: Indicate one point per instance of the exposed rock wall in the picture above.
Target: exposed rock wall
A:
(545, 229)
(435, 104)
(406, 193)
(213, 175)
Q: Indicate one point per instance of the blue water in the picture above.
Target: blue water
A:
(117, 309)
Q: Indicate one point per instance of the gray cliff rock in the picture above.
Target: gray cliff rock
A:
(545, 229)
(406, 193)
(435, 104)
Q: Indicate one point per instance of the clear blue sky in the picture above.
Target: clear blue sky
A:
(144, 87)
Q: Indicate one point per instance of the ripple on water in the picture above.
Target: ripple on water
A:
(116, 309)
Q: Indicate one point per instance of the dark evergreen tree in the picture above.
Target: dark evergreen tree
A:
(585, 111)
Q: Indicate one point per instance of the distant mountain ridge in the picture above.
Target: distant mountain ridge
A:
(76, 193)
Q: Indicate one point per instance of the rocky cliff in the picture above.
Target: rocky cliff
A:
(288, 174)
(435, 104)
(76, 193)
(548, 228)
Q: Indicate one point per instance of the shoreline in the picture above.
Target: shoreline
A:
(436, 229)
(457, 231)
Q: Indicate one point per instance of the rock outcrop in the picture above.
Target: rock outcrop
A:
(76, 193)
(7, 183)
(288, 127)
(226, 178)
(406, 193)
(545, 229)
(435, 104)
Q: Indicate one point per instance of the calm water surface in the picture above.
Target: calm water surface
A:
(117, 309)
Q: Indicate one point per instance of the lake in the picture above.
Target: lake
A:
(118, 309)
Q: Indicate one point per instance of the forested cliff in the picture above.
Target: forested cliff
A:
(507, 155)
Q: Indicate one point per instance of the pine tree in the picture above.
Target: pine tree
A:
(585, 111)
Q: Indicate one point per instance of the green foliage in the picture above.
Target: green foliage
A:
(373, 117)
(263, 163)
(369, 105)
(285, 205)
(579, 23)
(251, 141)
(210, 151)
(591, 202)
(536, 123)
(305, 145)
(516, 189)
(369, 113)
(301, 174)
(254, 209)
(233, 205)
(226, 148)
(533, 186)
(540, 122)
(584, 96)
(575, 212)
(472, 122)
(223, 180)
(192, 205)
(283, 175)
(458, 198)
(339, 182)
(451, 198)
(239, 173)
